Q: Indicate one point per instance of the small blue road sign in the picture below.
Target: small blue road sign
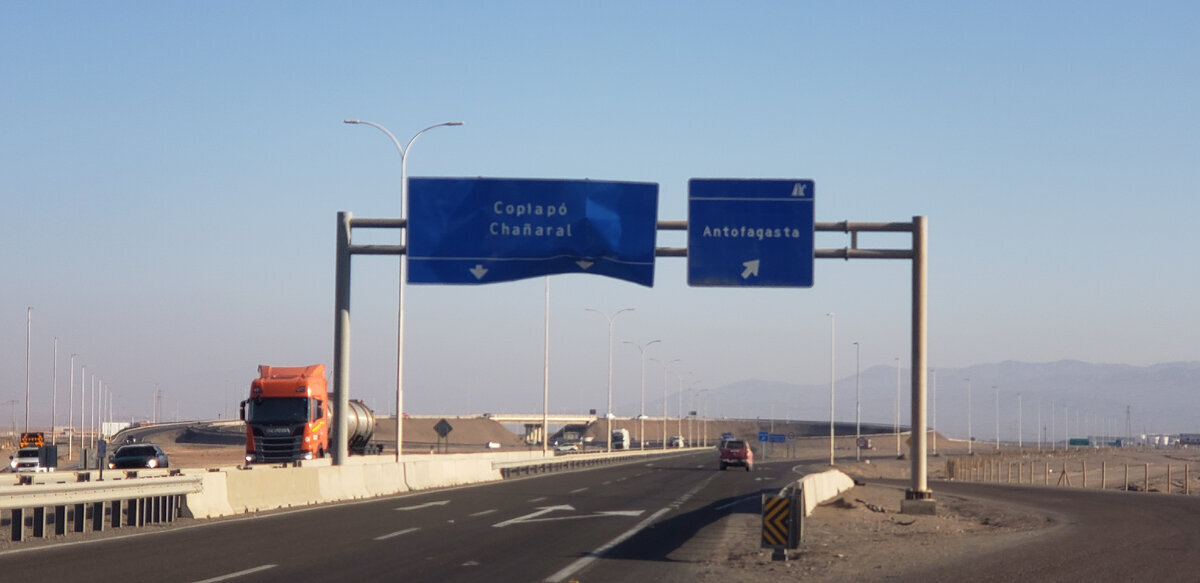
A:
(488, 230)
(763, 435)
(750, 233)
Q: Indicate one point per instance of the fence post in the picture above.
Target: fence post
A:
(1147, 477)
(1103, 475)
(1084, 474)
(1126, 477)
(1168, 478)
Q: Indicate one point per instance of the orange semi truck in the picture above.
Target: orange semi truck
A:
(289, 416)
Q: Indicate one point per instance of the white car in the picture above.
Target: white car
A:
(566, 447)
(676, 441)
(27, 460)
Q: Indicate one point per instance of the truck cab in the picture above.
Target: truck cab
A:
(287, 415)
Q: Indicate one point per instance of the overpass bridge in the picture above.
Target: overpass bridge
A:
(533, 422)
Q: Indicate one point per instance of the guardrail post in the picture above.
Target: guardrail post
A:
(97, 517)
(39, 522)
(116, 514)
(60, 520)
(79, 516)
(131, 512)
(18, 524)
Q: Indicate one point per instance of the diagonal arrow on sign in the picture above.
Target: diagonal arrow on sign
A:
(751, 268)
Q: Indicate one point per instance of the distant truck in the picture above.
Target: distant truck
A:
(288, 416)
(620, 439)
(736, 452)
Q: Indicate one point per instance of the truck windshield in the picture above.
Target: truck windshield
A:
(286, 410)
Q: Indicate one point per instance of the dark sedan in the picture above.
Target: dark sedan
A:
(139, 455)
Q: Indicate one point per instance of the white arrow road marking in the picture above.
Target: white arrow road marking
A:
(534, 517)
(541, 511)
(425, 505)
(397, 533)
(584, 264)
(595, 515)
(479, 271)
(751, 268)
(237, 574)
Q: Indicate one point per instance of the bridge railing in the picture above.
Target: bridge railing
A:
(123, 502)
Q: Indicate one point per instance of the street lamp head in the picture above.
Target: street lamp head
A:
(352, 121)
(454, 123)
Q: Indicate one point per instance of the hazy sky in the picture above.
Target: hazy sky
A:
(171, 174)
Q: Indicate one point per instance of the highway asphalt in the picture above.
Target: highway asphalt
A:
(617, 523)
(1099, 536)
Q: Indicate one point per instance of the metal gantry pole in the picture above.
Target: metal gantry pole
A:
(832, 353)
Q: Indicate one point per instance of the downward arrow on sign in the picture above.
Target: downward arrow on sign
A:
(751, 269)
(479, 271)
(584, 264)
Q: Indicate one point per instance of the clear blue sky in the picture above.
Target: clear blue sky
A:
(171, 174)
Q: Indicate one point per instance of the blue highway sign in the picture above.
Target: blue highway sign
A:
(777, 438)
(750, 233)
(762, 436)
(487, 230)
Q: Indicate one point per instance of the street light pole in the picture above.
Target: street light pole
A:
(609, 414)
(28, 342)
(666, 368)
(642, 418)
(342, 431)
(970, 437)
(857, 401)
(897, 408)
(996, 391)
(71, 413)
(832, 353)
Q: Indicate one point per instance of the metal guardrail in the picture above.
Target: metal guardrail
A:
(131, 501)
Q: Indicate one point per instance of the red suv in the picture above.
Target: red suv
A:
(735, 452)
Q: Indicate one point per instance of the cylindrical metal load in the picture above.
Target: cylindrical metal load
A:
(360, 425)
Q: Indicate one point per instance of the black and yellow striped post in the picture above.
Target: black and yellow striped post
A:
(780, 527)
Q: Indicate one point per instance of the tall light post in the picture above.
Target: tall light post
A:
(1020, 442)
(54, 397)
(832, 361)
(857, 401)
(996, 391)
(28, 342)
(71, 413)
(933, 397)
(642, 418)
(609, 414)
(666, 368)
(897, 408)
(403, 150)
(970, 437)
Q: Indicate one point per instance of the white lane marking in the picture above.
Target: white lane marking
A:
(425, 505)
(484, 512)
(397, 533)
(538, 499)
(237, 574)
(578, 490)
(541, 511)
(583, 562)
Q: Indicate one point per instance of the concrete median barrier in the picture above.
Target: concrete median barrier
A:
(822, 487)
